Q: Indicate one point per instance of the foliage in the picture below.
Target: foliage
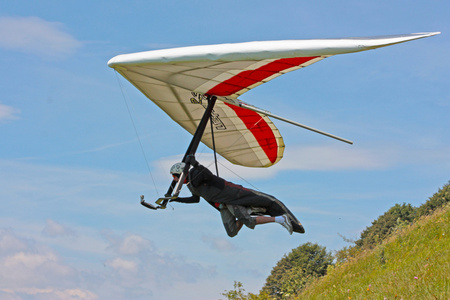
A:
(396, 217)
(346, 253)
(400, 215)
(436, 201)
(411, 264)
(239, 293)
(295, 270)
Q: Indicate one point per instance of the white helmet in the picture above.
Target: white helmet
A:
(177, 168)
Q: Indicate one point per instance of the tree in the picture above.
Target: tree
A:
(436, 201)
(395, 217)
(239, 293)
(295, 270)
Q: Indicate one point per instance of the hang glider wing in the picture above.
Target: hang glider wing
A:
(178, 79)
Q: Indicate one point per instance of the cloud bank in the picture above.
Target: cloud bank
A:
(299, 158)
(129, 265)
(33, 35)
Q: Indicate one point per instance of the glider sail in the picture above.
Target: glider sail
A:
(178, 81)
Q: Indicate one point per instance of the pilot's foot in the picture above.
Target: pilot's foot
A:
(287, 224)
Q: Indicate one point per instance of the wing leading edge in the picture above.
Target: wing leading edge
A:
(177, 79)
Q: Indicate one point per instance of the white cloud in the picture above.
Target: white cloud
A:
(326, 158)
(36, 36)
(131, 244)
(220, 244)
(22, 263)
(8, 112)
(9, 243)
(30, 269)
(29, 260)
(46, 293)
(323, 158)
(54, 229)
(151, 261)
(300, 158)
(122, 265)
(135, 268)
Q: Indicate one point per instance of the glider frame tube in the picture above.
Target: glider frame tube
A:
(264, 112)
(191, 151)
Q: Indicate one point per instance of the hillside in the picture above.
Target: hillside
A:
(403, 254)
(412, 264)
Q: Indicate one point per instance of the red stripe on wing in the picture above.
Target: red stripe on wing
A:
(260, 130)
(249, 77)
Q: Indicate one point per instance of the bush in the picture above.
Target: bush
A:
(239, 293)
(438, 200)
(296, 269)
(396, 216)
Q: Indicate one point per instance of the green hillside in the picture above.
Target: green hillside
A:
(404, 254)
(412, 264)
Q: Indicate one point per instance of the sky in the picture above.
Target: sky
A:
(74, 159)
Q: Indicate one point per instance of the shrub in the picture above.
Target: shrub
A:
(396, 216)
(438, 200)
(295, 270)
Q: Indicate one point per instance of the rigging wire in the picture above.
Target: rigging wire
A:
(126, 100)
(215, 154)
(128, 104)
(242, 178)
(242, 136)
(214, 144)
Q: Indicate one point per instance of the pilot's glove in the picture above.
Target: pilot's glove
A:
(190, 159)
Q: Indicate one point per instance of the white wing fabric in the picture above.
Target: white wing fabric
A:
(178, 79)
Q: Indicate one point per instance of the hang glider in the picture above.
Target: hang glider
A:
(180, 81)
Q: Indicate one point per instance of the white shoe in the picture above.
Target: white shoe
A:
(287, 224)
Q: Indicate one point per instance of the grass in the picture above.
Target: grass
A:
(413, 264)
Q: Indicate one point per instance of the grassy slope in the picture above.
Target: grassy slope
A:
(413, 264)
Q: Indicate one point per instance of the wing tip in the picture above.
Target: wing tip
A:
(425, 34)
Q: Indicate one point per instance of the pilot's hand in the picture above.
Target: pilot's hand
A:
(190, 159)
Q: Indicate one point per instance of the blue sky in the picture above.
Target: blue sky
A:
(72, 169)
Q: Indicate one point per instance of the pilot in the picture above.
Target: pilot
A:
(238, 206)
